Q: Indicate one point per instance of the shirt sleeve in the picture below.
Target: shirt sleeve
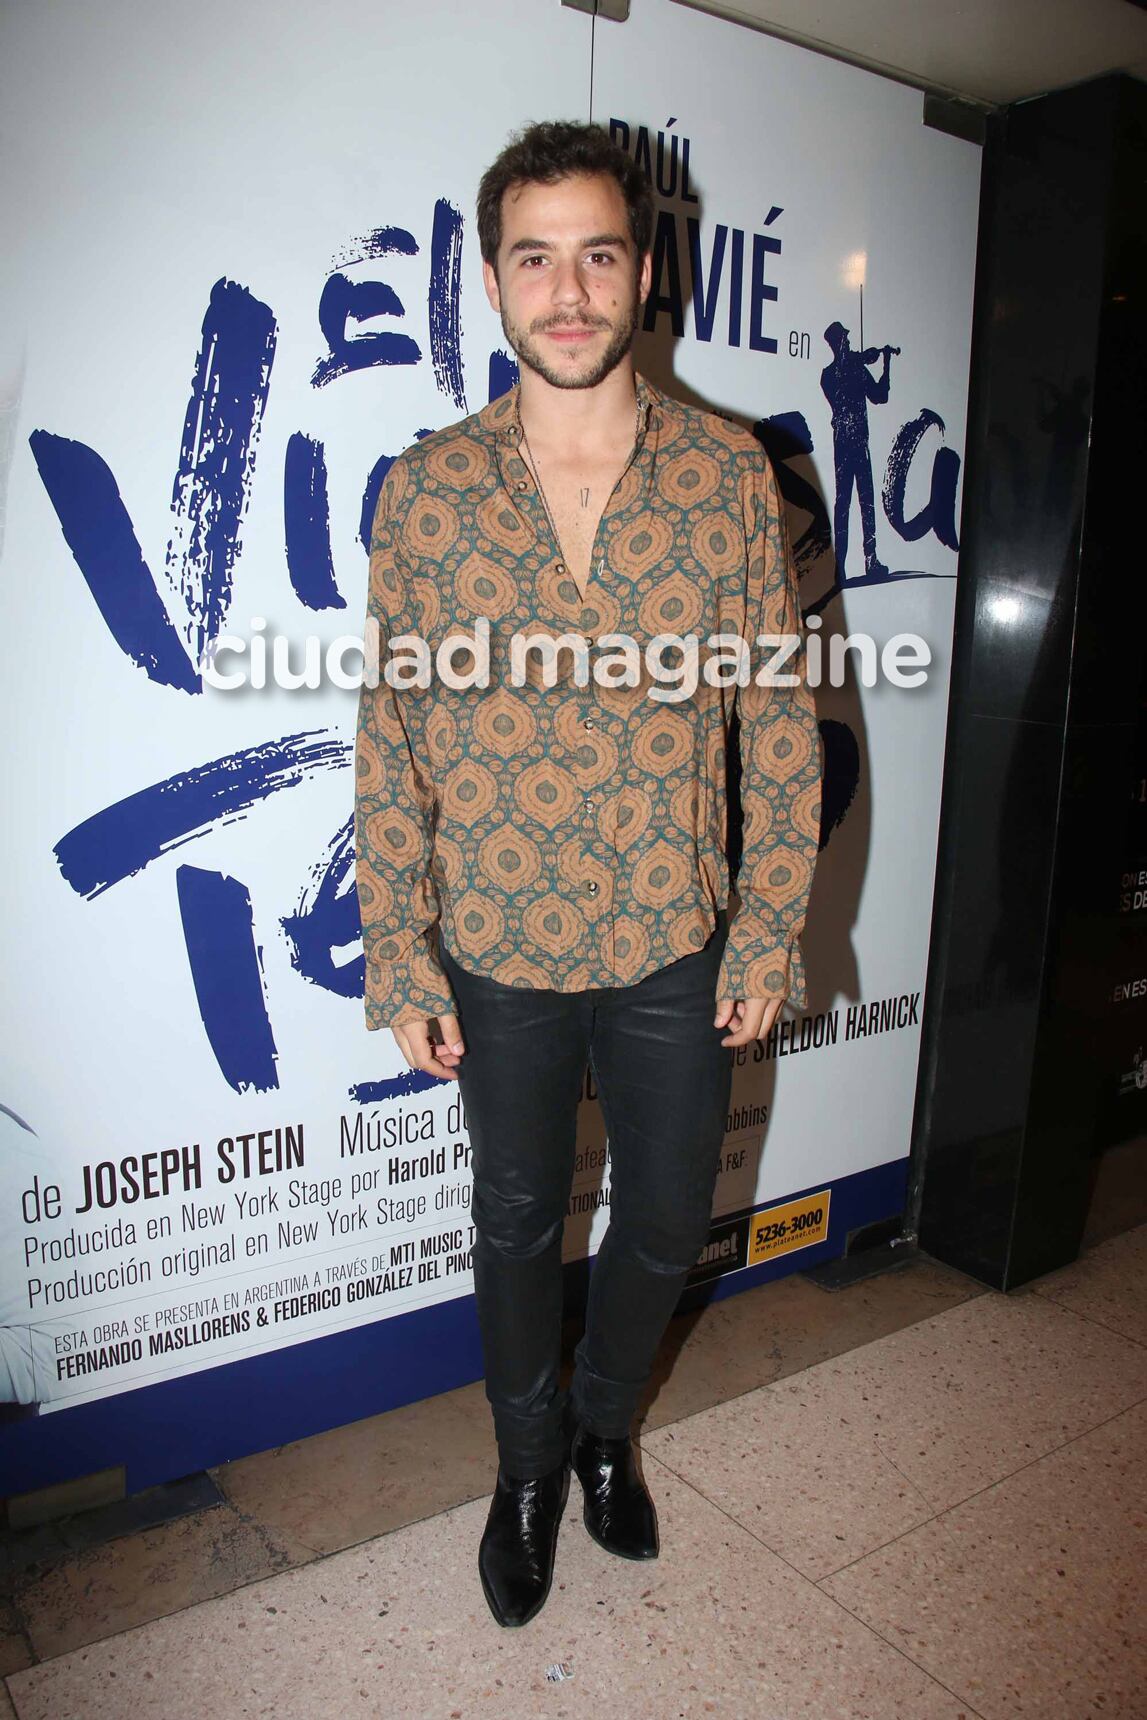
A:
(781, 770)
(394, 812)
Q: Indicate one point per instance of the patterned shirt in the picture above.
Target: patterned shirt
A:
(573, 836)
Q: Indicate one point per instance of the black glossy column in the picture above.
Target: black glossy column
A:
(1034, 932)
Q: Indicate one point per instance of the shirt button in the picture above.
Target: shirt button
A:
(559, 567)
(522, 484)
(591, 889)
(589, 805)
(588, 724)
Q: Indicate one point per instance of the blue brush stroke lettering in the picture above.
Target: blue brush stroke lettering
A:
(99, 533)
(217, 456)
(127, 836)
(939, 513)
(227, 972)
(307, 524)
(209, 497)
(342, 301)
(445, 297)
(398, 1087)
(379, 242)
(504, 374)
(327, 918)
(374, 483)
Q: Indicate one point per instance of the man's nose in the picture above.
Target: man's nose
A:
(568, 287)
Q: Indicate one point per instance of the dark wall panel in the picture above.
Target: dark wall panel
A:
(1022, 1036)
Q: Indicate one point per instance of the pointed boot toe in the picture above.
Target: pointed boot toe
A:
(516, 1555)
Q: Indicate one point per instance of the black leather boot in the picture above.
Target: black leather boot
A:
(619, 1513)
(516, 1555)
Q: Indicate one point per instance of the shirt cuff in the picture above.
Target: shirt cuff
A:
(759, 964)
(405, 984)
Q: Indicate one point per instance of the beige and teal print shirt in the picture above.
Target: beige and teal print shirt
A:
(573, 836)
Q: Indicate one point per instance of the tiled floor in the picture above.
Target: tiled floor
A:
(907, 1499)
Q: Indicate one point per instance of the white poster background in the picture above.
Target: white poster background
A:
(151, 151)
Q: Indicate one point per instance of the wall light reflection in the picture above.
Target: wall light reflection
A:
(855, 268)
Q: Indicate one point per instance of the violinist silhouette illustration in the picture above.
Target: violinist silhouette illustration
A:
(848, 385)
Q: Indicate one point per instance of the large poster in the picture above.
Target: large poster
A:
(814, 270)
(245, 276)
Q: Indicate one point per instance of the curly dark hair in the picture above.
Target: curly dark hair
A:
(550, 150)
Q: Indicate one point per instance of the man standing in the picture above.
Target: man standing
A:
(541, 867)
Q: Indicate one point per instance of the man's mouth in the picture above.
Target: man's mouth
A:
(571, 333)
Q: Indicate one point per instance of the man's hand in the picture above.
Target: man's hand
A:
(438, 1052)
(749, 1018)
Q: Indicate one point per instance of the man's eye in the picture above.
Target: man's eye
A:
(528, 260)
(601, 257)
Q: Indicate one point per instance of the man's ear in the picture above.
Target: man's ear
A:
(645, 277)
(490, 282)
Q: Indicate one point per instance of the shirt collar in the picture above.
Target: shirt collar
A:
(502, 417)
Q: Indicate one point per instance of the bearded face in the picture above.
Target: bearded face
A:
(568, 287)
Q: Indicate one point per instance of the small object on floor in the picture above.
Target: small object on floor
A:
(516, 1555)
(559, 1670)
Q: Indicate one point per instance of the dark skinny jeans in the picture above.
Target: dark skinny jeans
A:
(663, 1080)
